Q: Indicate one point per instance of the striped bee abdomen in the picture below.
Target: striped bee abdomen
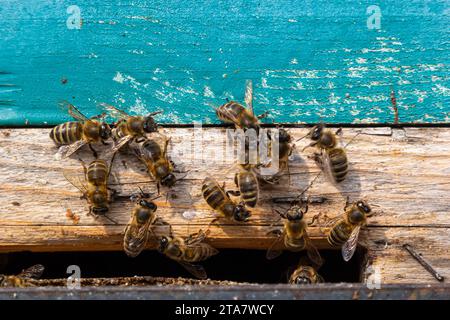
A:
(67, 133)
(133, 244)
(200, 252)
(339, 234)
(339, 163)
(248, 187)
(212, 193)
(97, 172)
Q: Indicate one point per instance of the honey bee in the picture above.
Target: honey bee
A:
(285, 149)
(219, 200)
(94, 186)
(129, 127)
(331, 159)
(345, 229)
(294, 234)
(248, 186)
(137, 231)
(20, 280)
(237, 114)
(70, 136)
(155, 159)
(305, 275)
(188, 251)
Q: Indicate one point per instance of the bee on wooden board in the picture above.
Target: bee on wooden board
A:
(20, 280)
(70, 136)
(237, 114)
(345, 229)
(142, 219)
(129, 127)
(331, 159)
(247, 183)
(94, 186)
(218, 199)
(294, 235)
(303, 275)
(188, 251)
(155, 158)
(285, 150)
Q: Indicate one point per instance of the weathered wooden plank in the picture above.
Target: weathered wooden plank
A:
(313, 61)
(231, 292)
(402, 172)
(394, 264)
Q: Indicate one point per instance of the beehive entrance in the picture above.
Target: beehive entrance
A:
(231, 264)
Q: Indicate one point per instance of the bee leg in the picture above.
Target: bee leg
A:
(84, 168)
(93, 151)
(105, 143)
(312, 144)
(347, 203)
(339, 132)
(161, 222)
(214, 221)
(314, 218)
(235, 193)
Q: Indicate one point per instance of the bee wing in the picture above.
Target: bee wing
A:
(312, 251)
(273, 253)
(67, 150)
(137, 238)
(195, 269)
(76, 179)
(326, 166)
(249, 95)
(230, 116)
(119, 144)
(113, 111)
(331, 222)
(73, 111)
(349, 247)
(33, 272)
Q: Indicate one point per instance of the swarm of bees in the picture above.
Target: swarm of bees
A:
(138, 136)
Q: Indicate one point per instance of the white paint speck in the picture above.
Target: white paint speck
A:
(207, 92)
(294, 61)
(119, 78)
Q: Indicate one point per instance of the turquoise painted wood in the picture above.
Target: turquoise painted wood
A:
(310, 61)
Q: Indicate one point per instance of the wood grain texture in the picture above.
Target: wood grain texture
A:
(309, 61)
(403, 173)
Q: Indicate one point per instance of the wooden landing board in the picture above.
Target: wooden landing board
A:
(404, 173)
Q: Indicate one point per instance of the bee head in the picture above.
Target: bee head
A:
(150, 125)
(295, 215)
(169, 180)
(241, 213)
(363, 207)
(163, 243)
(105, 131)
(316, 132)
(358, 215)
(148, 204)
(302, 280)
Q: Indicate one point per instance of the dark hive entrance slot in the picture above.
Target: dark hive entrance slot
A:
(230, 264)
